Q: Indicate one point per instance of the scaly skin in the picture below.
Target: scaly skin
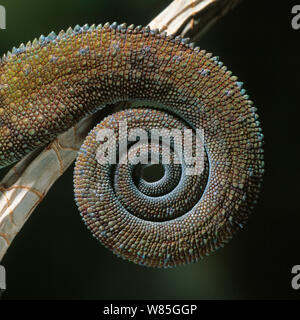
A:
(47, 86)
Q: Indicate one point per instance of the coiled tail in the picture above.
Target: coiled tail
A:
(51, 83)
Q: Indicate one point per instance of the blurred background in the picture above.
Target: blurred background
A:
(55, 256)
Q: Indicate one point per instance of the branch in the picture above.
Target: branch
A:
(27, 182)
(192, 18)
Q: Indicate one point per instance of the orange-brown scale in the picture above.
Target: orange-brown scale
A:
(48, 85)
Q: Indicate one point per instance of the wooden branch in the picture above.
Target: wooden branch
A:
(27, 183)
(191, 18)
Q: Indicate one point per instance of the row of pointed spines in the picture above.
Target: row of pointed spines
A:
(123, 28)
(52, 36)
(120, 27)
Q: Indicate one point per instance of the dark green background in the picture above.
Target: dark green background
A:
(54, 256)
